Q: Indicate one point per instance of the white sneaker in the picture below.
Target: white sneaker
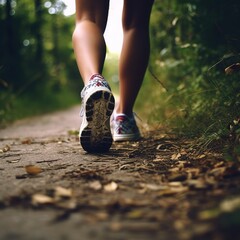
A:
(97, 107)
(124, 128)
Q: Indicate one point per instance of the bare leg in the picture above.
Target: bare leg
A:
(135, 52)
(97, 99)
(88, 41)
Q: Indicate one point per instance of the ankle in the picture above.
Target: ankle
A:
(127, 113)
(96, 75)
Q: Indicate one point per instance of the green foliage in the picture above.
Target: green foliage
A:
(193, 42)
(110, 71)
(37, 59)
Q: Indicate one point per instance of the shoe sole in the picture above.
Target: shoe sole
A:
(96, 135)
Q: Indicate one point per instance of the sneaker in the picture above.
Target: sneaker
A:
(97, 107)
(124, 128)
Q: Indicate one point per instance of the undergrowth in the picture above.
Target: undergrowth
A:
(202, 104)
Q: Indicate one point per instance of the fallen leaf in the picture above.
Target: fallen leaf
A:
(209, 214)
(14, 160)
(192, 172)
(131, 202)
(153, 187)
(135, 214)
(175, 184)
(198, 184)
(63, 192)
(27, 141)
(73, 132)
(66, 204)
(177, 177)
(111, 187)
(218, 172)
(158, 159)
(201, 156)
(173, 190)
(180, 165)
(233, 68)
(38, 199)
(96, 185)
(219, 164)
(175, 169)
(33, 170)
(230, 205)
(5, 149)
(62, 198)
(176, 156)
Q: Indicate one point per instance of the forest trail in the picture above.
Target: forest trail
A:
(157, 188)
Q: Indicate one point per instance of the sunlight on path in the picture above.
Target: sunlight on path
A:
(52, 124)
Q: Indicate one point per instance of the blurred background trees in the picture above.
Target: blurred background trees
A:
(186, 86)
(37, 65)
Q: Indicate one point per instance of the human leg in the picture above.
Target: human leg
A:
(90, 51)
(132, 66)
(88, 41)
(135, 51)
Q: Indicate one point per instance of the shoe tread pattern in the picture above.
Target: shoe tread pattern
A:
(96, 136)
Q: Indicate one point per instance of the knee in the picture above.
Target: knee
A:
(84, 25)
(81, 28)
(88, 24)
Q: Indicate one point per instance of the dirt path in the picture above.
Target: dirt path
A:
(157, 188)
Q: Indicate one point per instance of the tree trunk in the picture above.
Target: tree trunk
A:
(9, 30)
(38, 31)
